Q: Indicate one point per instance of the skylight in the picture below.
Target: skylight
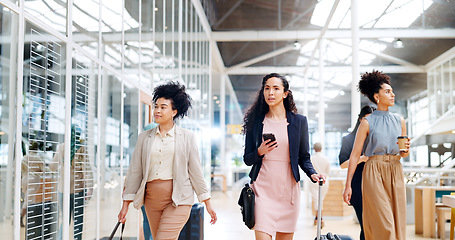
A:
(374, 14)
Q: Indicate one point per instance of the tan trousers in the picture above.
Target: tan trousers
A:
(384, 199)
(165, 220)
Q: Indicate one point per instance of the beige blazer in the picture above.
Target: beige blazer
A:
(187, 173)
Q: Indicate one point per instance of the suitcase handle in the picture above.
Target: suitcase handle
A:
(321, 182)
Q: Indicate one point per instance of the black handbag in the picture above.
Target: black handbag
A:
(115, 230)
(246, 202)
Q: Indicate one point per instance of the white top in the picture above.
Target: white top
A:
(320, 163)
(162, 156)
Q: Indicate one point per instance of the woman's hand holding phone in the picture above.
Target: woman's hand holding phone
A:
(268, 144)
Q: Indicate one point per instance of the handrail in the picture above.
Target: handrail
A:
(425, 170)
(442, 117)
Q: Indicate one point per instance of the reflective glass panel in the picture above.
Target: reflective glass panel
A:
(83, 167)
(112, 32)
(85, 25)
(43, 128)
(8, 83)
(52, 12)
(131, 46)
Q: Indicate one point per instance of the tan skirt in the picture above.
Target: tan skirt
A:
(384, 198)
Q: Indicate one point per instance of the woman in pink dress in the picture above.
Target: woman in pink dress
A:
(274, 173)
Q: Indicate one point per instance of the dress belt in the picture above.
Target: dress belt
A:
(385, 158)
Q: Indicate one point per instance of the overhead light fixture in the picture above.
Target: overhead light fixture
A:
(297, 45)
(398, 43)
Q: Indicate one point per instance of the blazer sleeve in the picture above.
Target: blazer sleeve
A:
(345, 151)
(195, 169)
(134, 175)
(304, 149)
(250, 155)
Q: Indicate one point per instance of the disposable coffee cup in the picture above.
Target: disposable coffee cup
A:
(401, 143)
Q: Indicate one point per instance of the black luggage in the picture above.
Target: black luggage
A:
(194, 227)
(329, 235)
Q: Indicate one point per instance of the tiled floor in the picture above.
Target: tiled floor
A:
(230, 225)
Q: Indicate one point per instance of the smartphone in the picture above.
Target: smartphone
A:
(270, 136)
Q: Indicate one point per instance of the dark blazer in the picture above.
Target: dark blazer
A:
(356, 183)
(299, 148)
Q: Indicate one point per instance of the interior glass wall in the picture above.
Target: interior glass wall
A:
(85, 27)
(441, 91)
(418, 120)
(84, 142)
(8, 81)
(83, 86)
(43, 128)
(53, 12)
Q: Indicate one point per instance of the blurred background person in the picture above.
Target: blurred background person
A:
(356, 184)
(81, 179)
(322, 165)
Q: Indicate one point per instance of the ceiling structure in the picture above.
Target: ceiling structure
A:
(256, 37)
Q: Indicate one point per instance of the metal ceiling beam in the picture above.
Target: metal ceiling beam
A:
(287, 35)
(320, 37)
(262, 57)
(215, 54)
(202, 17)
(389, 58)
(264, 35)
(229, 12)
(299, 70)
(291, 23)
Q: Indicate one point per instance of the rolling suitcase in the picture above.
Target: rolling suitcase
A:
(194, 227)
(329, 235)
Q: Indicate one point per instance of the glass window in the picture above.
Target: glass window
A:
(85, 24)
(8, 83)
(43, 128)
(51, 12)
(132, 48)
(83, 167)
(111, 30)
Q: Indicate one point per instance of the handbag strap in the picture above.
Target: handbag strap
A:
(115, 230)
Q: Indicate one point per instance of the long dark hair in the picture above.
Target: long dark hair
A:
(259, 108)
(363, 112)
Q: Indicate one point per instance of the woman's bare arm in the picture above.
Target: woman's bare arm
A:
(360, 137)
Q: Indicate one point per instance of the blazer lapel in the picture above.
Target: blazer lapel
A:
(179, 149)
(293, 134)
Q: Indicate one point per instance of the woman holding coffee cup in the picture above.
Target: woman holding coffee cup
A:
(384, 199)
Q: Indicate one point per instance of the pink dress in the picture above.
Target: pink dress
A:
(277, 193)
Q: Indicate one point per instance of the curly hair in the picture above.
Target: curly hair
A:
(175, 92)
(259, 108)
(370, 83)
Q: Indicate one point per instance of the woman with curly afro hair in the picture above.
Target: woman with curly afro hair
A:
(165, 169)
(384, 199)
(275, 174)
